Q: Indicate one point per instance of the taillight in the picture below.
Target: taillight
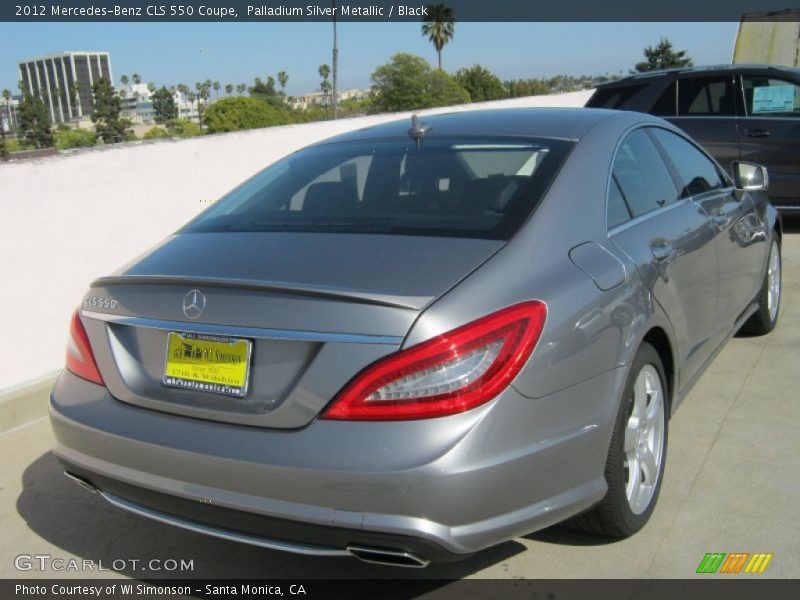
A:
(452, 373)
(80, 359)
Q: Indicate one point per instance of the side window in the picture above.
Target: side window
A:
(665, 105)
(697, 172)
(706, 96)
(614, 97)
(642, 176)
(766, 97)
(617, 208)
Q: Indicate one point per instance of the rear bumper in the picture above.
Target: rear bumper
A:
(437, 488)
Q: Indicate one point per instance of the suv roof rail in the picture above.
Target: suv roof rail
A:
(698, 69)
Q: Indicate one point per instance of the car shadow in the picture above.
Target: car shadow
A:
(564, 536)
(791, 224)
(84, 525)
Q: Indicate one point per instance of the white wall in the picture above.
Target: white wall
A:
(65, 220)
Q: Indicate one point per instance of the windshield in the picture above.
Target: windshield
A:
(458, 188)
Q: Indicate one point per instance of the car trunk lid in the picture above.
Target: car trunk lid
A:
(315, 308)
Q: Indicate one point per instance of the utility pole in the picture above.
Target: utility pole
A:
(335, 66)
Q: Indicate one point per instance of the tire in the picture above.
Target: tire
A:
(621, 513)
(765, 318)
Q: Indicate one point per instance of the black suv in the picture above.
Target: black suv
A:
(738, 112)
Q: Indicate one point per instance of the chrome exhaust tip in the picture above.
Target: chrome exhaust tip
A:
(82, 482)
(392, 558)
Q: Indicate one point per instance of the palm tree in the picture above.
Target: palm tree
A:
(124, 80)
(229, 88)
(240, 89)
(136, 78)
(283, 79)
(439, 27)
(151, 87)
(325, 86)
(216, 86)
(192, 97)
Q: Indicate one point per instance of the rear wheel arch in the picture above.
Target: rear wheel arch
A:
(658, 338)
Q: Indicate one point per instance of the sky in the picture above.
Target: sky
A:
(172, 53)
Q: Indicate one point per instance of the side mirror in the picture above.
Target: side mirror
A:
(750, 177)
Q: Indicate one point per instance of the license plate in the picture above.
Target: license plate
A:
(207, 363)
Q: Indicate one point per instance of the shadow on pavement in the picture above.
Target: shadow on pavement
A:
(791, 223)
(84, 525)
(564, 536)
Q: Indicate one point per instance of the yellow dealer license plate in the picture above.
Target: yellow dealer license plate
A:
(207, 363)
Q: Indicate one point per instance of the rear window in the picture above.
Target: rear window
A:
(614, 97)
(483, 188)
(706, 96)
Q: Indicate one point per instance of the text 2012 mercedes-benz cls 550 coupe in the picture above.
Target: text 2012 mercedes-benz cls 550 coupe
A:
(416, 340)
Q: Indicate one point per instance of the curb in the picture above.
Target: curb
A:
(26, 403)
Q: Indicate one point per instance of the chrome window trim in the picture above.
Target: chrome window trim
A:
(647, 216)
(244, 332)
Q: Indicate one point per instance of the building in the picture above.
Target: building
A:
(137, 104)
(324, 98)
(772, 38)
(9, 114)
(64, 81)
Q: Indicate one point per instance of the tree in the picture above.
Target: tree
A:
(237, 113)
(283, 79)
(439, 27)
(124, 80)
(107, 113)
(151, 87)
(261, 89)
(663, 57)
(444, 90)
(3, 145)
(7, 98)
(241, 88)
(203, 94)
(136, 78)
(183, 128)
(216, 87)
(164, 105)
(409, 82)
(34, 122)
(66, 138)
(228, 88)
(325, 87)
(481, 84)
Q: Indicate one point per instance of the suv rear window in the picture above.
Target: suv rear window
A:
(703, 96)
(483, 188)
(614, 97)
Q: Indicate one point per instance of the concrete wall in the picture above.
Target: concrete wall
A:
(67, 219)
(774, 43)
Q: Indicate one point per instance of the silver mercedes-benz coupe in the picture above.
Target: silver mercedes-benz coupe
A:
(416, 340)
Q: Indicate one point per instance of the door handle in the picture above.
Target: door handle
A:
(662, 252)
(757, 133)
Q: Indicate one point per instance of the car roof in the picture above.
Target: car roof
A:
(723, 68)
(554, 123)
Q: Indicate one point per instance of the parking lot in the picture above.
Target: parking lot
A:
(732, 484)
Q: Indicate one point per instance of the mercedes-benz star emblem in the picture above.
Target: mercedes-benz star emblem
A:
(194, 302)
